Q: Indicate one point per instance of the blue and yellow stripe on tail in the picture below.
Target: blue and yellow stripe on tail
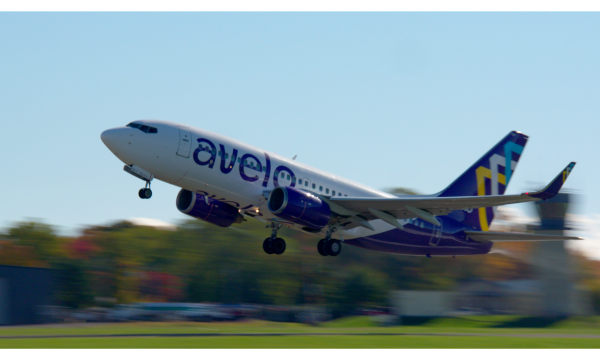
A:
(490, 175)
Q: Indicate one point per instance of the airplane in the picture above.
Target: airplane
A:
(225, 182)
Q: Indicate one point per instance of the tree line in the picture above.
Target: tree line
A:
(199, 262)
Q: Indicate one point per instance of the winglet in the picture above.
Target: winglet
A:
(554, 187)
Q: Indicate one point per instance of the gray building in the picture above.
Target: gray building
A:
(24, 292)
(560, 295)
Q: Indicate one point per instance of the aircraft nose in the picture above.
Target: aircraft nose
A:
(111, 138)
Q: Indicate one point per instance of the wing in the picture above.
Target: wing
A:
(360, 210)
(492, 236)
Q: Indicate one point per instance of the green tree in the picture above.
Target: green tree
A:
(402, 191)
(37, 235)
(73, 283)
(357, 289)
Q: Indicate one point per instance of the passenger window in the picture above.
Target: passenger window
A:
(288, 177)
(293, 178)
(313, 186)
(332, 192)
(282, 175)
(226, 156)
(276, 173)
(320, 188)
(306, 183)
(220, 152)
(327, 190)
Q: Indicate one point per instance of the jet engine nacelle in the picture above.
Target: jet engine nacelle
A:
(299, 206)
(208, 209)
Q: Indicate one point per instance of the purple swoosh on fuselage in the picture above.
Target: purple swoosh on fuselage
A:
(419, 237)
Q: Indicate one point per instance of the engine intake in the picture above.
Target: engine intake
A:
(208, 209)
(299, 206)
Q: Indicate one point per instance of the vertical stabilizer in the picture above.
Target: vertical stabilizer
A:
(490, 175)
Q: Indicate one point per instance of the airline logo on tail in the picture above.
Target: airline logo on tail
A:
(567, 171)
(512, 152)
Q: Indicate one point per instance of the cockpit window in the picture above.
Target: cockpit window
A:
(145, 128)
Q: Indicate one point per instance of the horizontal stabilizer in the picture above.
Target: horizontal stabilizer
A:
(506, 236)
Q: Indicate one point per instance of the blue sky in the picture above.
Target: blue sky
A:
(385, 99)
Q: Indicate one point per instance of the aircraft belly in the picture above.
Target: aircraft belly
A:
(412, 242)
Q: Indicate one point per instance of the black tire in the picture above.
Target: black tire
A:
(278, 246)
(141, 194)
(267, 246)
(333, 247)
(321, 247)
(147, 193)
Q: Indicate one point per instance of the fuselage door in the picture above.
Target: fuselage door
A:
(185, 142)
(436, 235)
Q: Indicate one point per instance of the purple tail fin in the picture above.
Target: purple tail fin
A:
(490, 175)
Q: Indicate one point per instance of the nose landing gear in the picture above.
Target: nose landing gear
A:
(273, 244)
(145, 192)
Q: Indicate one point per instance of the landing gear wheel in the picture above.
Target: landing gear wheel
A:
(278, 246)
(267, 246)
(145, 193)
(333, 247)
(321, 247)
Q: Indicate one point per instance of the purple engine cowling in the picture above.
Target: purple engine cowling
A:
(207, 209)
(299, 206)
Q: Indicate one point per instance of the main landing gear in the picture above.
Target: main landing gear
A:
(145, 193)
(273, 244)
(329, 246)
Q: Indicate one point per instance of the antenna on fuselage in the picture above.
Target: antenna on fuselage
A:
(294, 158)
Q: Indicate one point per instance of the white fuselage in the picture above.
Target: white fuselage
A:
(175, 155)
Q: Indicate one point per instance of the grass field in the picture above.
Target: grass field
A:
(356, 332)
(294, 342)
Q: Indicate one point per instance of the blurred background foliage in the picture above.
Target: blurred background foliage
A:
(199, 262)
